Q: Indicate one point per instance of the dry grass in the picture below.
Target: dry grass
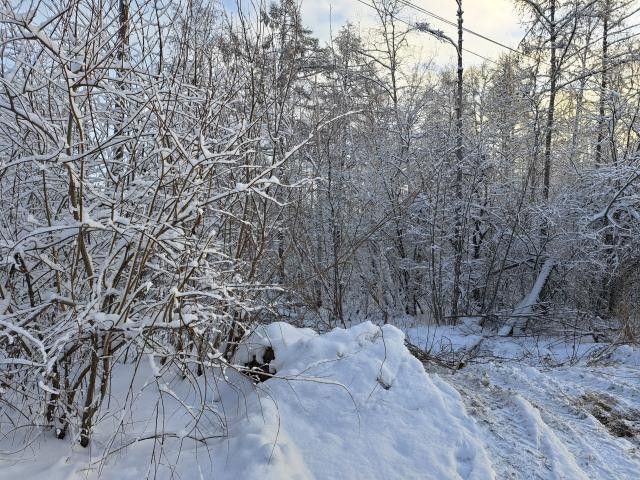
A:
(620, 422)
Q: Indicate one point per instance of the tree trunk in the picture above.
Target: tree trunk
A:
(603, 82)
(458, 241)
(552, 105)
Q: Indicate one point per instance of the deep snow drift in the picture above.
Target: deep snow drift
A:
(351, 404)
(355, 404)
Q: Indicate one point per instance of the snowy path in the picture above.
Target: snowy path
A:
(577, 422)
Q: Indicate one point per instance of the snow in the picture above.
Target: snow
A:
(446, 338)
(536, 402)
(536, 422)
(355, 404)
(350, 403)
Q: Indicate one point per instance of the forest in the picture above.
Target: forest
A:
(174, 175)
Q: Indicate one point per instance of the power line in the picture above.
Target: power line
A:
(412, 26)
(408, 3)
(452, 23)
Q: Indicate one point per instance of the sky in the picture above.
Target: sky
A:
(496, 19)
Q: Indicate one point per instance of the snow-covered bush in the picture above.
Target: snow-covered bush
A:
(139, 197)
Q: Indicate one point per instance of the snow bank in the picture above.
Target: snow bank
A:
(349, 404)
(355, 404)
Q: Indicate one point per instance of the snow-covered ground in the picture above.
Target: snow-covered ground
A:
(355, 404)
(547, 408)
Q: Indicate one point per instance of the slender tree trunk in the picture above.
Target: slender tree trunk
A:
(458, 241)
(552, 104)
(603, 82)
(609, 239)
(123, 39)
